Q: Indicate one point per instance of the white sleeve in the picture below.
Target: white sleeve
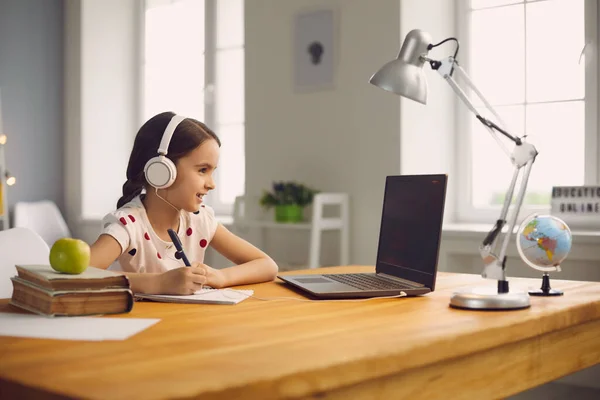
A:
(115, 225)
(212, 221)
(208, 220)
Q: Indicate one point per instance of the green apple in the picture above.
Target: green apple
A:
(70, 256)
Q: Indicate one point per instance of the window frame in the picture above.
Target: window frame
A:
(210, 75)
(466, 211)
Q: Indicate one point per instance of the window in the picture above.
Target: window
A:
(527, 58)
(194, 65)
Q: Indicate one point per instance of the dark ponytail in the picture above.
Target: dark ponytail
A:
(189, 135)
(130, 190)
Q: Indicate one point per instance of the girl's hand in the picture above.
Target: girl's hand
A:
(214, 277)
(184, 280)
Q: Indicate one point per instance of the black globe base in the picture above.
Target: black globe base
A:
(546, 290)
(551, 292)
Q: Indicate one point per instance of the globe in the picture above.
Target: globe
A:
(543, 242)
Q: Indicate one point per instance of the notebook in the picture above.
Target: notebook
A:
(204, 296)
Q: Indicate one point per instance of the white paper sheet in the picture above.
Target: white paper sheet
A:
(72, 328)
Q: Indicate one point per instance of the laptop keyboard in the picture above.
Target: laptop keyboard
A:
(367, 282)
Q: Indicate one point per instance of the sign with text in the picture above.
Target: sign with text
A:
(577, 205)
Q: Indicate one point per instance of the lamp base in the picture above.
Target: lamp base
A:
(488, 299)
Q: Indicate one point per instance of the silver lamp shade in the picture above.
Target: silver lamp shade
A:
(404, 75)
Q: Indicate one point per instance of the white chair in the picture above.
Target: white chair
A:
(19, 246)
(42, 217)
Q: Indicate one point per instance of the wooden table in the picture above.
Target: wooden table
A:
(384, 348)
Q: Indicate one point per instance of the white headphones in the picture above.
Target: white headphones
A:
(161, 172)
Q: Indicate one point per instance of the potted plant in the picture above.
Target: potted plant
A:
(289, 200)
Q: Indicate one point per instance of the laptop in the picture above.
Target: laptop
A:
(409, 242)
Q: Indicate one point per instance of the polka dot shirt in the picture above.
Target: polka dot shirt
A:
(141, 248)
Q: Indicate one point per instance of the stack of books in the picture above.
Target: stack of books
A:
(42, 290)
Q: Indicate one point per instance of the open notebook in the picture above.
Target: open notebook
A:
(204, 296)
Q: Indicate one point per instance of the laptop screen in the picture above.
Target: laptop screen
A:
(411, 227)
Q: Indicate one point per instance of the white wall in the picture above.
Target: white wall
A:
(102, 105)
(31, 83)
(350, 137)
(109, 57)
(427, 131)
(344, 139)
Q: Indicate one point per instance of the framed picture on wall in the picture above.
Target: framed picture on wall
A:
(314, 50)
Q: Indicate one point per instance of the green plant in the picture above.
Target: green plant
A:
(287, 193)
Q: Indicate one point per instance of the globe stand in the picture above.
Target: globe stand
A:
(546, 290)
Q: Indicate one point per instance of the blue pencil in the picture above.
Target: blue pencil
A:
(179, 247)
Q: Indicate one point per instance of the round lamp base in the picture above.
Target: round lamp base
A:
(488, 299)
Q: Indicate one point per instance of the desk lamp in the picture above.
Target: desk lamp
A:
(405, 76)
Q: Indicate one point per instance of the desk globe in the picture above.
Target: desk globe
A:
(543, 242)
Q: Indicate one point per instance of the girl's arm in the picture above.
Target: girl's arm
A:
(253, 265)
(106, 250)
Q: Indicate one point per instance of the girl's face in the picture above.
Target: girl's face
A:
(194, 176)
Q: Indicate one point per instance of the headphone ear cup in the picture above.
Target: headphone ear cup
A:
(160, 172)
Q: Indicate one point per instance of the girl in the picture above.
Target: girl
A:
(136, 233)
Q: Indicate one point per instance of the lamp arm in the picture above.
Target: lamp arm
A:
(523, 155)
(483, 120)
(471, 85)
(446, 68)
(487, 247)
(495, 266)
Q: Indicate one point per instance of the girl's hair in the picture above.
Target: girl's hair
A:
(188, 135)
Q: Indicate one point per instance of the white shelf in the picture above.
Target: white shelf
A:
(242, 219)
(324, 224)
(270, 224)
(478, 232)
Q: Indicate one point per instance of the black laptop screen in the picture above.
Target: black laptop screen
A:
(411, 225)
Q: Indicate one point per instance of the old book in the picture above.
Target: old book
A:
(91, 278)
(34, 298)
